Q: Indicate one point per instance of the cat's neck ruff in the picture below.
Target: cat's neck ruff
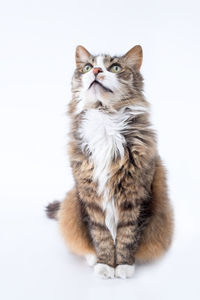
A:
(102, 136)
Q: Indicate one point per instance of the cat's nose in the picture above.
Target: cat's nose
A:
(97, 71)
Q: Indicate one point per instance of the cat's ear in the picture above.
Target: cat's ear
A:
(134, 57)
(82, 55)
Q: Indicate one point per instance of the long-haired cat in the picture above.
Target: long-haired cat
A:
(118, 211)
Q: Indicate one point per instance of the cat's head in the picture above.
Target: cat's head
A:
(105, 80)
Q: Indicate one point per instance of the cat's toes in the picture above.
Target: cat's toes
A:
(91, 259)
(124, 271)
(104, 271)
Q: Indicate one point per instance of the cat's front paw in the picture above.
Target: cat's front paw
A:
(104, 271)
(124, 271)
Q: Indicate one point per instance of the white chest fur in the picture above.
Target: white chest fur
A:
(102, 136)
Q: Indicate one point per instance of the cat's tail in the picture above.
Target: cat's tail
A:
(52, 209)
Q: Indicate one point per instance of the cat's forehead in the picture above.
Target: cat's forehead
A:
(104, 60)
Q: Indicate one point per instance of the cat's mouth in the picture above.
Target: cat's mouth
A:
(101, 85)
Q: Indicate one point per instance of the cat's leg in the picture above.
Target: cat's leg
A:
(157, 235)
(102, 239)
(127, 240)
(73, 227)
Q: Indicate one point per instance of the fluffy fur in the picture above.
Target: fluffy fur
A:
(118, 211)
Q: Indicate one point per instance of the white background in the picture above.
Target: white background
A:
(37, 44)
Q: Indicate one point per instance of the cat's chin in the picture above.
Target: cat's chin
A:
(96, 92)
(94, 100)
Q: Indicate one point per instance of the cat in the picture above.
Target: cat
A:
(118, 211)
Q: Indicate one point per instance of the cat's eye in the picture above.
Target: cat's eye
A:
(87, 68)
(115, 68)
